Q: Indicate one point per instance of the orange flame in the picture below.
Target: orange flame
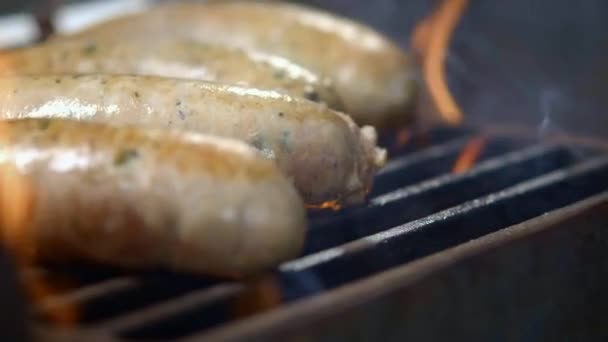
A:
(470, 154)
(40, 291)
(17, 202)
(333, 205)
(261, 295)
(431, 39)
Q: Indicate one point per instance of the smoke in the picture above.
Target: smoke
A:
(540, 63)
(550, 99)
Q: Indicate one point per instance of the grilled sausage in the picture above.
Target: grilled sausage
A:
(141, 198)
(328, 157)
(172, 58)
(374, 78)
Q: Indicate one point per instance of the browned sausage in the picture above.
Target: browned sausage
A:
(374, 78)
(172, 58)
(141, 198)
(327, 156)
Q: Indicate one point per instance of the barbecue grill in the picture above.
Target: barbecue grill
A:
(516, 239)
(510, 245)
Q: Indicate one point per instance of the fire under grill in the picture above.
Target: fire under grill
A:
(370, 269)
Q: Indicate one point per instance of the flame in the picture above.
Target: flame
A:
(333, 205)
(17, 202)
(8, 63)
(470, 154)
(40, 290)
(261, 294)
(431, 39)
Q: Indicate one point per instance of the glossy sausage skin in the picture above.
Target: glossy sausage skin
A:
(140, 198)
(327, 156)
(173, 58)
(374, 77)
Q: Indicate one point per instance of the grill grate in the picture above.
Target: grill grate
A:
(418, 207)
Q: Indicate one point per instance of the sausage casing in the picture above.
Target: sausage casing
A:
(374, 77)
(328, 157)
(141, 198)
(173, 58)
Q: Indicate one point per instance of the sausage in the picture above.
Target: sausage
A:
(143, 198)
(326, 155)
(172, 58)
(375, 78)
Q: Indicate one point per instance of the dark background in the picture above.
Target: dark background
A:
(538, 62)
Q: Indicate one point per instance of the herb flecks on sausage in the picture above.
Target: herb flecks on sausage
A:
(124, 156)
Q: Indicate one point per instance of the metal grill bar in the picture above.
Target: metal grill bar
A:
(432, 162)
(196, 299)
(86, 294)
(452, 226)
(439, 193)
